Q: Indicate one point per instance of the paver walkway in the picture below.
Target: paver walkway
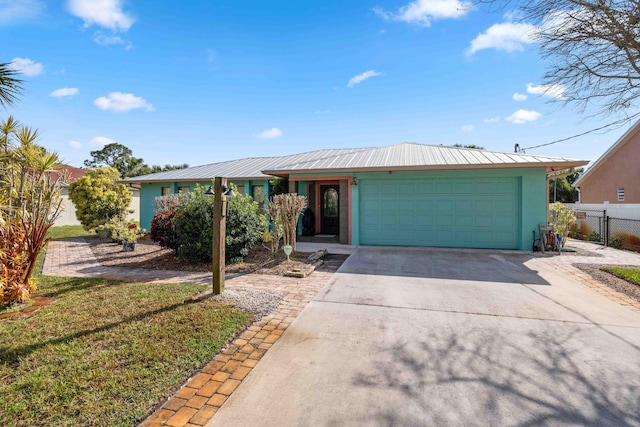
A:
(199, 399)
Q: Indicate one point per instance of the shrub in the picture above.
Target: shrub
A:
(14, 261)
(245, 224)
(616, 242)
(168, 203)
(193, 224)
(562, 220)
(576, 234)
(593, 237)
(98, 197)
(163, 230)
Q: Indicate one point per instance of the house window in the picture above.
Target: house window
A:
(621, 194)
(257, 191)
(166, 191)
(184, 190)
(240, 189)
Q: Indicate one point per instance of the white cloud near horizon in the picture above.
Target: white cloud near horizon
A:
(121, 102)
(507, 36)
(104, 13)
(75, 144)
(523, 116)
(492, 120)
(362, 77)
(519, 97)
(65, 91)
(101, 141)
(270, 133)
(467, 128)
(423, 12)
(554, 91)
(19, 10)
(26, 66)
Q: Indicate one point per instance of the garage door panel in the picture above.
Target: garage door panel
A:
(475, 213)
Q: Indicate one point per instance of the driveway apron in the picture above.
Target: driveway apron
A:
(419, 336)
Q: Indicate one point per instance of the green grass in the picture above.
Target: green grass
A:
(105, 352)
(628, 274)
(67, 231)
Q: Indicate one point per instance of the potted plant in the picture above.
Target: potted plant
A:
(129, 237)
(103, 231)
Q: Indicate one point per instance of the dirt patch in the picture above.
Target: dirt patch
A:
(149, 255)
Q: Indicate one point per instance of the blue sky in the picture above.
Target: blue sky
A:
(199, 82)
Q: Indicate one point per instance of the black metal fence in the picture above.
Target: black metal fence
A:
(596, 226)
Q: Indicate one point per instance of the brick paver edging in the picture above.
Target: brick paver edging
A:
(201, 397)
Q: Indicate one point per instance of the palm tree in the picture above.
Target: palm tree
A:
(10, 87)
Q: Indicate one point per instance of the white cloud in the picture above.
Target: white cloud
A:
(121, 102)
(519, 97)
(101, 141)
(506, 36)
(270, 133)
(104, 13)
(362, 77)
(422, 12)
(65, 91)
(75, 144)
(26, 66)
(19, 10)
(523, 116)
(555, 91)
(492, 120)
(467, 128)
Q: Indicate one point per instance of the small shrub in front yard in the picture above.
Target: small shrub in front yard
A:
(245, 223)
(163, 230)
(193, 224)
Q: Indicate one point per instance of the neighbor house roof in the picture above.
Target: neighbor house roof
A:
(610, 152)
(405, 156)
(72, 173)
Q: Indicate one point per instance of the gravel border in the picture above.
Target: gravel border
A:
(257, 301)
(610, 280)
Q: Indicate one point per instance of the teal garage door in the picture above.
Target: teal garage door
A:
(460, 213)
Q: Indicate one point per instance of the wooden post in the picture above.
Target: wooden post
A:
(219, 235)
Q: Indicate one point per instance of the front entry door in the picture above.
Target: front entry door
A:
(329, 209)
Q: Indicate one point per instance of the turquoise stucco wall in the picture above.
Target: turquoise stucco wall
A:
(532, 203)
(150, 190)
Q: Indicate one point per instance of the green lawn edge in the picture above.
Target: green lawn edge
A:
(631, 275)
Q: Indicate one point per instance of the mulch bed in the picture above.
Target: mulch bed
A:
(149, 255)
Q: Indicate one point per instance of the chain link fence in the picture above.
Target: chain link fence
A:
(623, 233)
(595, 226)
(590, 225)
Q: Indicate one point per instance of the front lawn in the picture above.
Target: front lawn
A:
(105, 352)
(67, 231)
(629, 274)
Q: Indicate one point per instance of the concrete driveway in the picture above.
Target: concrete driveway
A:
(412, 336)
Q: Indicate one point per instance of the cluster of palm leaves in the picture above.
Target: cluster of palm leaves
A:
(30, 199)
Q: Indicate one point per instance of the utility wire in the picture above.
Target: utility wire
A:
(626, 119)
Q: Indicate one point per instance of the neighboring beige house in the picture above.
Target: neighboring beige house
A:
(68, 214)
(614, 177)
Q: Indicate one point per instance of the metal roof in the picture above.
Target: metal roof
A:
(412, 156)
(405, 156)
